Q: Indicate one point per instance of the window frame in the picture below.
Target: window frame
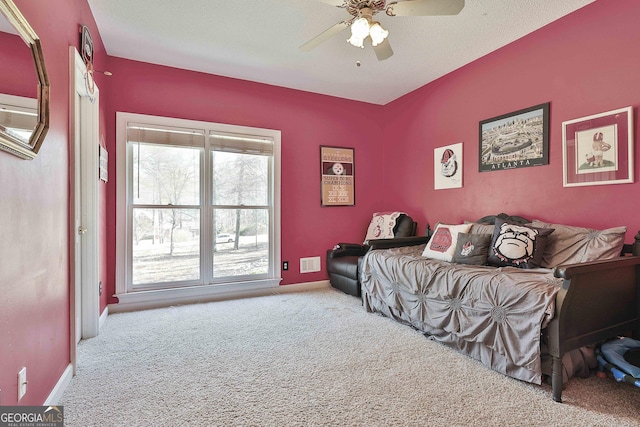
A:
(207, 285)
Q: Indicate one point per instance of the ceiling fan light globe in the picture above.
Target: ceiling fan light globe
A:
(377, 33)
(360, 28)
(356, 41)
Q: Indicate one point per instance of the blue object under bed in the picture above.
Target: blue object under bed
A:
(620, 357)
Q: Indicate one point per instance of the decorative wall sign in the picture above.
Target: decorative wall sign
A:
(447, 167)
(598, 149)
(86, 45)
(515, 140)
(104, 164)
(337, 185)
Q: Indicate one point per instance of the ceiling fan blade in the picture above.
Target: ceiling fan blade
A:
(383, 50)
(337, 3)
(324, 36)
(425, 7)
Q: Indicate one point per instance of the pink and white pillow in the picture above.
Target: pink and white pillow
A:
(442, 244)
(382, 225)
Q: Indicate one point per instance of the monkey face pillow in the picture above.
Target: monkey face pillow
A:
(517, 245)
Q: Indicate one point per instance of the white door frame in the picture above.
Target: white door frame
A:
(84, 205)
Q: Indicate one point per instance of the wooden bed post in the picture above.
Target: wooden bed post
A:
(636, 245)
(556, 378)
(635, 334)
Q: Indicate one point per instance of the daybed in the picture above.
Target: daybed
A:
(563, 297)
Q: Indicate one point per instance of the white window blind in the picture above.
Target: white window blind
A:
(237, 143)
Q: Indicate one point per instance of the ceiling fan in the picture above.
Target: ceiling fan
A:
(363, 26)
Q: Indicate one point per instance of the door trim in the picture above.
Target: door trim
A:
(88, 166)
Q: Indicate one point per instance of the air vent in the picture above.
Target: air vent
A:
(310, 265)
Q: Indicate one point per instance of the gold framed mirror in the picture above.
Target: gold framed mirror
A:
(24, 96)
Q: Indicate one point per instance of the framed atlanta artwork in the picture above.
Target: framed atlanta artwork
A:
(447, 167)
(516, 140)
(598, 149)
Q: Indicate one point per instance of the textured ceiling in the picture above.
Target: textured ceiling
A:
(258, 40)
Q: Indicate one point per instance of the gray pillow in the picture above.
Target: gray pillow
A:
(480, 228)
(472, 248)
(570, 245)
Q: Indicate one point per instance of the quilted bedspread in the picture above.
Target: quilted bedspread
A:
(494, 315)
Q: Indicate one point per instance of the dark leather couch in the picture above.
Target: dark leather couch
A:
(344, 260)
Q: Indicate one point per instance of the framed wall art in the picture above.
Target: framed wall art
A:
(515, 140)
(337, 185)
(447, 167)
(598, 149)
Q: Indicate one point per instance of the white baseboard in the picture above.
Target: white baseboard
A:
(103, 318)
(301, 287)
(56, 394)
(165, 298)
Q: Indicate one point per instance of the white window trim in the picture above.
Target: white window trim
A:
(192, 293)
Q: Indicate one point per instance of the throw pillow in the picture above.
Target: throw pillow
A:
(442, 244)
(382, 225)
(570, 245)
(472, 248)
(517, 245)
(480, 228)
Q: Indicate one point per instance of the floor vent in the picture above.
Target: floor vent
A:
(310, 265)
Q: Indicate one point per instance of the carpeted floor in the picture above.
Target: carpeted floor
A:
(308, 359)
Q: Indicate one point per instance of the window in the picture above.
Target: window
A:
(200, 205)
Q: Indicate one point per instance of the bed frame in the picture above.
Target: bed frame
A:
(598, 300)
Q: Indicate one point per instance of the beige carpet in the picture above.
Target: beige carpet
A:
(308, 359)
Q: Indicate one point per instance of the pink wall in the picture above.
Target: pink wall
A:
(582, 64)
(34, 223)
(16, 67)
(306, 121)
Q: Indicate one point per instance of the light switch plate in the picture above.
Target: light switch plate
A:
(22, 382)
